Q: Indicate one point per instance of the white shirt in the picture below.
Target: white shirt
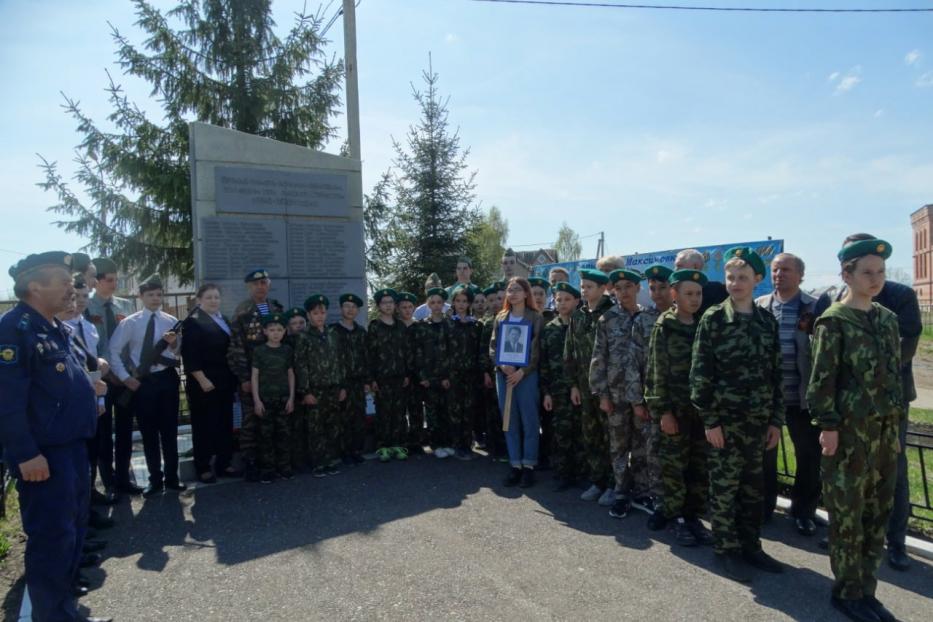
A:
(86, 331)
(129, 337)
(424, 311)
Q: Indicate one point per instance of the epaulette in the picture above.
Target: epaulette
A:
(23, 323)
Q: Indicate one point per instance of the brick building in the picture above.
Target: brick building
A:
(922, 223)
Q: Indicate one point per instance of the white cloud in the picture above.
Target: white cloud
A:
(833, 76)
(912, 57)
(849, 81)
(879, 113)
(925, 80)
(451, 37)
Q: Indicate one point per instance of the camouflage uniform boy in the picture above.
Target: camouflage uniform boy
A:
(320, 365)
(578, 353)
(432, 372)
(297, 324)
(554, 384)
(736, 385)
(463, 361)
(417, 436)
(856, 398)
(272, 380)
(388, 370)
(351, 339)
(617, 377)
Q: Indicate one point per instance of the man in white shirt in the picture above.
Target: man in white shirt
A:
(143, 356)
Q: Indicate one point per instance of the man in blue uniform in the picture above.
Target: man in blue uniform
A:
(47, 415)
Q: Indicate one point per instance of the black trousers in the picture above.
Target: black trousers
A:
(805, 495)
(211, 425)
(104, 448)
(156, 405)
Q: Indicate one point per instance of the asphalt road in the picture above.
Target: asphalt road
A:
(440, 539)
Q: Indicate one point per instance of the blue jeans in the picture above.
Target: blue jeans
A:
(524, 427)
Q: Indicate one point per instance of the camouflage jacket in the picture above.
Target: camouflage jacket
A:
(386, 347)
(667, 378)
(735, 369)
(617, 370)
(485, 363)
(553, 378)
(581, 337)
(432, 351)
(245, 334)
(464, 342)
(856, 366)
(411, 347)
(273, 365)
(352, 343)
(319, 361)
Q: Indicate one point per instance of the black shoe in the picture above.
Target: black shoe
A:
(513, 478)
(251, 472)
(762, 561)
(564, 483)
(99, 521)
(108, 497)
(700, 532)
(528, 478)
(176, 486)
(90, 560)
(620, 508)
(93, 546)
(657, 521)
(153, 490)
(856, 610)
(805, 526)
(897, 558)
(878, 609)
(733, 567)
(683, 535)
(130, 489)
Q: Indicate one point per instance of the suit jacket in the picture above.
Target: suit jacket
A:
(204, 348)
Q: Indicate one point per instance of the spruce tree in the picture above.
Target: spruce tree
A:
(217, 61)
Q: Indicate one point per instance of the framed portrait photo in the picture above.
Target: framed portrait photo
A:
(513, 344)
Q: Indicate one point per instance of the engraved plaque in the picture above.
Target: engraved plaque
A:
(293, 193)
(231, 247)
(324, 249)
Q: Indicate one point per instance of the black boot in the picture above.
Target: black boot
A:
(528, 478)
(513, 478)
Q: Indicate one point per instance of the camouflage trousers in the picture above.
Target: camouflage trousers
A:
(299, 436)
(391, 407)
(858, 491)
(274, 442)
(595, 427)
(461, 406)
(249, 427)
(684, 478)
(633, 444)
(417, 435)
(324, 426)
(354, 419)
(495, 438)
(567, 454)
(436, 414)
(736, 484)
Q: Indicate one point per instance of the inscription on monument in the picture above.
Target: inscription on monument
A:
(323, 249)
(294, 193)
(232, 246)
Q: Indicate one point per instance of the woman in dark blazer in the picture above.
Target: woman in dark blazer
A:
(210, 385)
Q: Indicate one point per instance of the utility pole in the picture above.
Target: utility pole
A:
(353, 90)
(601, 245)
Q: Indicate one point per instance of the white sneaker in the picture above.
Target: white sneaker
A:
(608, 498)
(592, 493)
(440, 452)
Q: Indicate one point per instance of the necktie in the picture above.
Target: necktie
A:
(148, 350)
(81, 330)
(111, 318)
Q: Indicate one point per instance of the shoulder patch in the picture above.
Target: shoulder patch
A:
(9, 354)
(23, 322)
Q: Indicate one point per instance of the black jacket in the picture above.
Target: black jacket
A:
(204, 348)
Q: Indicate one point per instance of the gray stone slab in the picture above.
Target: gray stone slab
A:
(267, 191)
(233, 292)
(300, 289)
(231, 247)
(324, 249)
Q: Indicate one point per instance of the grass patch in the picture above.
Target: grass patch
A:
(10, 527)
(921, 415)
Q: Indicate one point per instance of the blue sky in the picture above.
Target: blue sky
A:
(663, 129)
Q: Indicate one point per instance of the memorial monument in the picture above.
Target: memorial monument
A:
(260, 203)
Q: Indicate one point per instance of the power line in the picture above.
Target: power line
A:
(680, 7)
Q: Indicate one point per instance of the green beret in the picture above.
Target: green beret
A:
(105, 265)
(256, 275)
(537, 281)
(152, 282)
(489, 291)
(861, 248)
(475, 289)
(274, 318)
(382, 293)
(407, 297)
(351, 298)
(316, 299)
(80, 262)
(694, 276)
(295, 312)
(500, 286)
(78, 281)
(658, 273)
(749, 256)
(625, 275)
(596, 276)
(564, 286)
(51, 258)
(437, 291)
(461, 289)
